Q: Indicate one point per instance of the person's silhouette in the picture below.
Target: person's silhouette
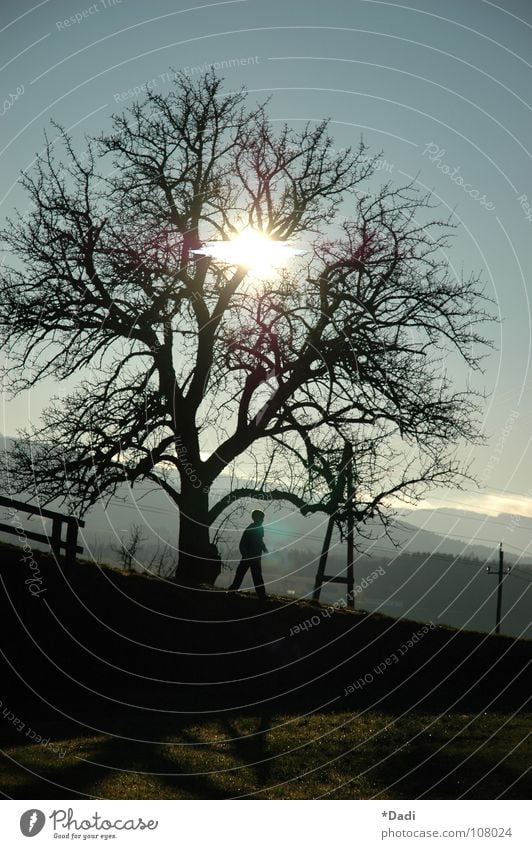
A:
(251, 548)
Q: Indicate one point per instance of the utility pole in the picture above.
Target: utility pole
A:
(343, 481)
(500, 572)
(323, 559)
(350, 532)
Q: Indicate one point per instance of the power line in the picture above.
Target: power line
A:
(457, 536)
(302, 537)
(460, 504)
(519, 578)
(161, 510)
(521, 575)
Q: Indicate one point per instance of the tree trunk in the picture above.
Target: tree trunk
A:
(198, 561)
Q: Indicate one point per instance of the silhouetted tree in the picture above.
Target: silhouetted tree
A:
(128, 549)
(189, 367)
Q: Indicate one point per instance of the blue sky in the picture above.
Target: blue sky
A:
(442, 88)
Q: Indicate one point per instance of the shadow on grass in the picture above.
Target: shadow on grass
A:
(98, 637)
(263, 756)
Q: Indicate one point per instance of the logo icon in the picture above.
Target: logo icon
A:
(32, 822)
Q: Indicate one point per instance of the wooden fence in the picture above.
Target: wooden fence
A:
(55, 539)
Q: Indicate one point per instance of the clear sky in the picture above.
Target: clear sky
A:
(442, 87)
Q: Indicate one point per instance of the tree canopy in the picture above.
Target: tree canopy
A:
(190, 368)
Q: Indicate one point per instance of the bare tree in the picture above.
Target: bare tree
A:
(161, 562)
(129, 547)
(193, 365)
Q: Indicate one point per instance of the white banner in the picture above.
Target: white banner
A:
(309, 824)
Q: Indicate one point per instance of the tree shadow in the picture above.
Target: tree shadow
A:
(159, 765)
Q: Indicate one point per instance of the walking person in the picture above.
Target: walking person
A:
(251, 548)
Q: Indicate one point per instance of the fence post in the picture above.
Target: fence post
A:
(52, 539)
(55, 542)
(71, 541)
(350, 532)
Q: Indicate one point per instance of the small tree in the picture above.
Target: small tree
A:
(129, 547)
(193, 365)
(160, 561)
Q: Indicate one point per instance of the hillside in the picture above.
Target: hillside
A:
(427, 576)
(415, 530)
(124, 630)
(99, 652)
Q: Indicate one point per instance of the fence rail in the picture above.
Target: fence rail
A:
(55, 539)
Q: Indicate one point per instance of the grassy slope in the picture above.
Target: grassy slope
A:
(154, 691)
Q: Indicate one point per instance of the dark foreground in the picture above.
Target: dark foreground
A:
(125, 686)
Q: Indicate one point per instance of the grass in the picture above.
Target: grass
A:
(342, 755)
(142, 690)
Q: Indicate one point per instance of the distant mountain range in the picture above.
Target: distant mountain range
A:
(445, 531)
(451, 585)
(514, 531)
(455, 532)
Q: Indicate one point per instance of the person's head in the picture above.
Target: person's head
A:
(258, 517)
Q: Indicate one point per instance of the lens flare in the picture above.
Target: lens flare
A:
(250, 249)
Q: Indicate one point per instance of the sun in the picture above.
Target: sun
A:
(250, 249)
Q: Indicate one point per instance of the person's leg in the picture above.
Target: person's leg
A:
(258, 580)
(241, 570)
